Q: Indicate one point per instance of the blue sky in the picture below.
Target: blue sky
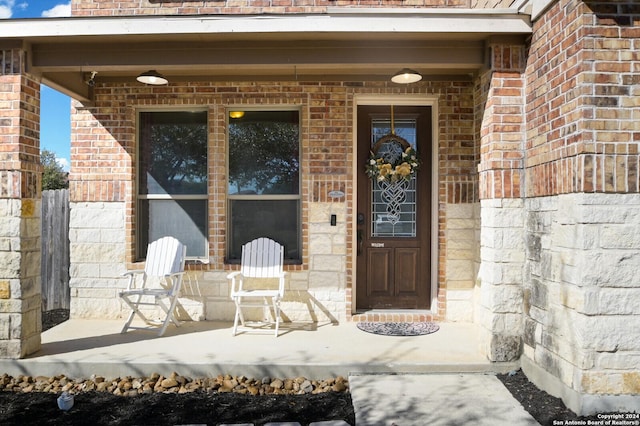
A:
(55, 128)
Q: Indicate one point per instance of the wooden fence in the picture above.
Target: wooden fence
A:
(55, 250)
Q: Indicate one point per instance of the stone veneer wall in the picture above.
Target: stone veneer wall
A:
(462, 260)
(97, 258)
(582, 292)
(582, 327)
(102, 183)
(500, 278)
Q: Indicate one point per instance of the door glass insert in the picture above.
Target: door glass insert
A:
(383, 223)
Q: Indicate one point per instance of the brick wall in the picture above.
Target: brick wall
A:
(500, 98)
(209, 7)
(19, 129)
(583, 99)
(104, 157)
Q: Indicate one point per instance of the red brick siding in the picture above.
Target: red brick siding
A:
(240, 7)
(583, 108)
(104, 152)
(19, 129)
(500, 113)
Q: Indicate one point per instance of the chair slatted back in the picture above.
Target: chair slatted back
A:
(165, 256)
(262, 258)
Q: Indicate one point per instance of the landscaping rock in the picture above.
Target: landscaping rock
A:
(175, 383)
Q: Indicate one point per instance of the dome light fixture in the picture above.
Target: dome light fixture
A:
(406, 76)
(152, 77)
(236, 114)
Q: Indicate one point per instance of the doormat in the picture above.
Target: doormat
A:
(399, 328)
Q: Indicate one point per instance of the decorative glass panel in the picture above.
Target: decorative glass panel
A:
(393, 207)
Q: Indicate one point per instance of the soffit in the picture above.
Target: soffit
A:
(342, 46)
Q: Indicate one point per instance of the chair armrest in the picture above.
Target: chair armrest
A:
(173, 274)
(132, 275)
(282, 276)
(235, 278)
(175, 278)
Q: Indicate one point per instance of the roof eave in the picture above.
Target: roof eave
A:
(425, 21)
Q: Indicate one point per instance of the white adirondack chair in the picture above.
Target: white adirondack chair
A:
(157, 285)
(262, 258)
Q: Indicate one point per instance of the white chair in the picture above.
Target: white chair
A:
(159, 284)
(262, 260)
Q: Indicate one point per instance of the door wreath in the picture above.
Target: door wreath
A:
(391, 165)
(392, 159)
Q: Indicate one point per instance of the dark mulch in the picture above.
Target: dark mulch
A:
(546, 409)
(53, 318)
(99, 408)
(542, 406)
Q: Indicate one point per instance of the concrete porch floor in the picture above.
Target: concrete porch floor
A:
(79, 348)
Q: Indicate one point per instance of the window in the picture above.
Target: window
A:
(172, 190)
(264, 181)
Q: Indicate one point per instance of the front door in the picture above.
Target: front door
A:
(393, 267)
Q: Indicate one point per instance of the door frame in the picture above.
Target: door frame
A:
(400, 100)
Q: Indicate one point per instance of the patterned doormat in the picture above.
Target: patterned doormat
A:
(399, 328)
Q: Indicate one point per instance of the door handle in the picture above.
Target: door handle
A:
(360, 241)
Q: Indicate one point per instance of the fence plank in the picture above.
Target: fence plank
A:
(55, 250)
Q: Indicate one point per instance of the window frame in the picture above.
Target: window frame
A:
(264, 197)
(160, 197)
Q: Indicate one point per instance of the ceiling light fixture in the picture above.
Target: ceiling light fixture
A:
(152, 77)
(236, 114)
(406, 76)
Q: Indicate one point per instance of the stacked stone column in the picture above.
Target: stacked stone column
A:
(500, 112)
(20, 293)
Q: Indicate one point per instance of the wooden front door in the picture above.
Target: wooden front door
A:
(393, 267)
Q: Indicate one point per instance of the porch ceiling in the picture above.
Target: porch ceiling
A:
(341, 46)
